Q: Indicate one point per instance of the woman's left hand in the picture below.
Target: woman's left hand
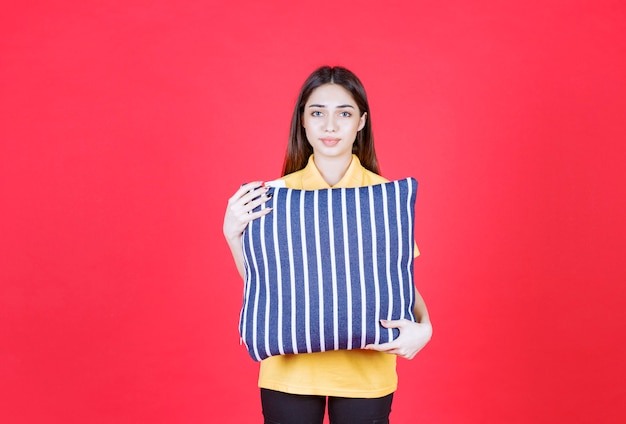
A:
(413, 337)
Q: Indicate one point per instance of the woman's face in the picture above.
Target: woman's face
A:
(332, 119)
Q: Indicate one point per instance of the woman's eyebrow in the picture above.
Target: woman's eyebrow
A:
(338, 107)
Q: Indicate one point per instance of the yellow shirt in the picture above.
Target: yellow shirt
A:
(344, 373)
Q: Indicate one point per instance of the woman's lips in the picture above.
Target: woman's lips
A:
(330, 141)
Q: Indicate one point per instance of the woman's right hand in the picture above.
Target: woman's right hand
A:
(239, 214)
(239, 210)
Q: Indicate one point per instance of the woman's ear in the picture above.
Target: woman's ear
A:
(362, 121)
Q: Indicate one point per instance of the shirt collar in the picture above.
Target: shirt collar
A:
(312, 179)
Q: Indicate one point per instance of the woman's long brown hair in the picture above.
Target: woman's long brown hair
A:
(299, 149)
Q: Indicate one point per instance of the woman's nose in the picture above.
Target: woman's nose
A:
(331, 125)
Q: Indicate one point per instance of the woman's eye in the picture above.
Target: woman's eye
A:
(345, 114)
(316, 113)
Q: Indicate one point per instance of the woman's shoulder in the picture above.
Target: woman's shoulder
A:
(371, 178)
(294, 179)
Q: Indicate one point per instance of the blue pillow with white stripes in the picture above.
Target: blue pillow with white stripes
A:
(325, 266)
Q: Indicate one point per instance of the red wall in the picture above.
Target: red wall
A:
(125, 126)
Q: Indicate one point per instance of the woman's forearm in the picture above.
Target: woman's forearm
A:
(237, 252)
(420, 310)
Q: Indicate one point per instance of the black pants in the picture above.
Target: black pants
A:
(285, 408)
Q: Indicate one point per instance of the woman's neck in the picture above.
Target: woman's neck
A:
(332, 169)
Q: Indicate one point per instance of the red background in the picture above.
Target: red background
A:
(125, 127)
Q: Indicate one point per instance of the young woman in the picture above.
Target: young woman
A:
(330, 145)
